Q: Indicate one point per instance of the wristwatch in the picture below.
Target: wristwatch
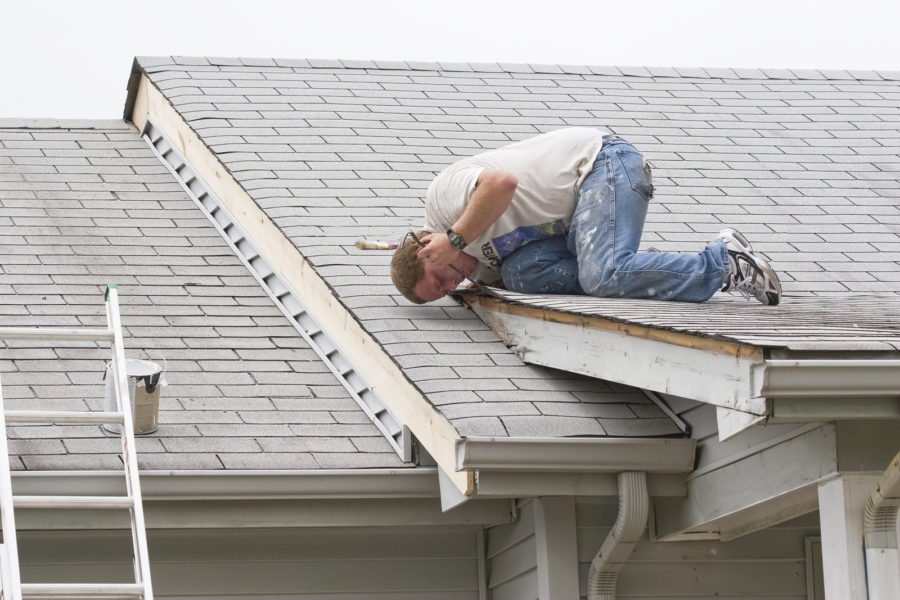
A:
(456, 240)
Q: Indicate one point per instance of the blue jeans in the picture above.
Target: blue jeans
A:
(599, 257)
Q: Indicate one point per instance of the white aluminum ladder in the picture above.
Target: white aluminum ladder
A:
(11, 587)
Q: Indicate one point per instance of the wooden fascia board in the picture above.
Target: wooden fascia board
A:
(630, 329)
(432, 430)
(718, 372)
(134, 81)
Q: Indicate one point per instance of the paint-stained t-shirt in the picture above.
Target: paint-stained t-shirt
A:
(549, 168)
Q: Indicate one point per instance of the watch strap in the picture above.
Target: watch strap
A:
(456, 240)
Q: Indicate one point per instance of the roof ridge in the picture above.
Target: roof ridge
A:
(536, 68)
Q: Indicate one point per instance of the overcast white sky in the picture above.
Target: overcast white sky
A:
(71, 59)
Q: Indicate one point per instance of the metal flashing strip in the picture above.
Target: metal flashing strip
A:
(661, 404)
(285, 297)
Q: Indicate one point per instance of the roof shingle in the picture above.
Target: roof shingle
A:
(334, 153)
(244, 389)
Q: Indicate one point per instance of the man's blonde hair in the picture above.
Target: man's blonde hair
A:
(407, 269)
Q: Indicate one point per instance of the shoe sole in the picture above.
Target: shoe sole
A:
(773, 298)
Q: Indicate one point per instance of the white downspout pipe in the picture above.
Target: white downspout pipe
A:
(634, 504)
(880, 528)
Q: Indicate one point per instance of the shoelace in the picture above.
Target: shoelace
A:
(743, 286)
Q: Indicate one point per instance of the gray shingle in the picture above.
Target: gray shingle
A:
(88, 217)
(759, 151)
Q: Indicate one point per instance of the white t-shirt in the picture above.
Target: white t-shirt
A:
(549, 168)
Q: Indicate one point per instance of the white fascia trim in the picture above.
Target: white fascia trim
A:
(419, 482)
(712, 371)
(735, 377)
(288, 301)
(589, 455)
(410, 407)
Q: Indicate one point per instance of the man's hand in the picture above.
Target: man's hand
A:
(438, 249)
(491, 197)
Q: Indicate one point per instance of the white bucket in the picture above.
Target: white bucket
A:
(144, 381)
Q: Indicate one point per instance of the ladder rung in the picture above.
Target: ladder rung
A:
(73, 501)
(62, 416)
(82, 590)
(55, 333)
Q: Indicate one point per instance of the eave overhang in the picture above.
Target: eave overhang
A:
(747, 383)
(302, 498)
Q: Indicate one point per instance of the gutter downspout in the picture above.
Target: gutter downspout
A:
(634, 503)
(880, 529)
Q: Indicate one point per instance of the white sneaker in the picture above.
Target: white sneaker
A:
(750, 275)
(734, 240)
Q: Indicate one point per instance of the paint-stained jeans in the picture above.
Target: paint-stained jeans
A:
(599, 254)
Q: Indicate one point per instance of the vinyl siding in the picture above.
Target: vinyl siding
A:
(512, 558)
(769, 564)
(338, 563)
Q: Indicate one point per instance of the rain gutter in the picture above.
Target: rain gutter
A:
(419, 482)
(597, 455)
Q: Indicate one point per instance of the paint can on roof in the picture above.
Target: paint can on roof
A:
(144, 382)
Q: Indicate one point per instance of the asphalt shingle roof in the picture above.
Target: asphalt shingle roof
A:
(85, 204)
(806, 164)
(334, 153)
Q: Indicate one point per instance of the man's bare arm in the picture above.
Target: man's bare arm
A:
(492, 195)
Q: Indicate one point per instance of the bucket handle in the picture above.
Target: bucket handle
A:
(151, 381)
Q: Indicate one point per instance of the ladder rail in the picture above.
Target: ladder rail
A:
(56, 334)
(63, 416)
(132, 482)
(83, 590)
(96, 502)
(12, 588)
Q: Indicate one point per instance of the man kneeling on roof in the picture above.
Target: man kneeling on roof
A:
(563, 213)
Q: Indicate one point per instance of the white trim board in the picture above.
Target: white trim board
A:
(288, 301)
(719, 373)
(749, 494)
(772, 482)
(746, 386)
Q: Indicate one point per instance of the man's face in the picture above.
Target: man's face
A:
(436, 281)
